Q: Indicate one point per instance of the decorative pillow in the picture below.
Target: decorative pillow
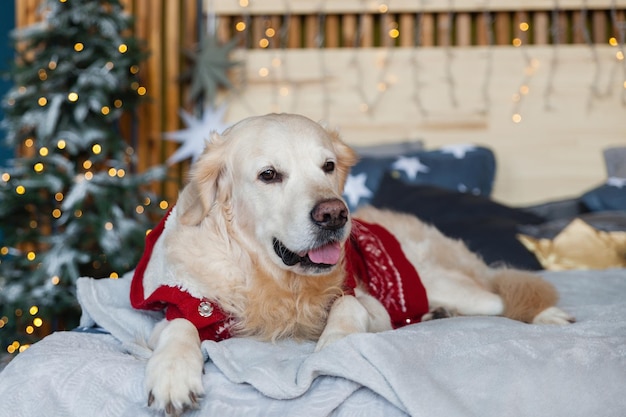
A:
(487, 228)
(607, 221)
(465, 168)
(610, 196)
(579, 246)
(615, 160)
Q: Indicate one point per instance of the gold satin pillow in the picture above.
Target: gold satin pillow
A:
(579, 246)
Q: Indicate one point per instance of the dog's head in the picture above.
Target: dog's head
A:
(277, 180)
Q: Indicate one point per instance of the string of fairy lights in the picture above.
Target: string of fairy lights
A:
(373, 80)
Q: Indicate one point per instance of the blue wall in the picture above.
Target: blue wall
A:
(7, 23)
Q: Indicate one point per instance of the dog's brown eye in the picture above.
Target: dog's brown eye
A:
(270, 175)
(329, 166)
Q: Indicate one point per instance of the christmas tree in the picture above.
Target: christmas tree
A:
(71, 202)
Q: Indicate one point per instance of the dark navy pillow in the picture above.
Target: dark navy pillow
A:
(487, 228)
(464, 168)
(610, 196)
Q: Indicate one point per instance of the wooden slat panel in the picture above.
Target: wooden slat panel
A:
(367, 31)
(463, 29)
(541, 28)
(428, 30)
(400, 6)
(444, 29)
(407, 29)
(295, 31)
(332, 31)
(349, 30)
(502, 28)
(599, 30)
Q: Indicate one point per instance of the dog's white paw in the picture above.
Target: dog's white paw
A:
(174, 380)
(553, 315)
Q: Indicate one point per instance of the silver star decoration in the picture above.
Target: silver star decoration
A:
(459, 150)
(355, 189)
(411, 165)
(197, 134)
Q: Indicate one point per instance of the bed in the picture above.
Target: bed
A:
(473, 182)
(483, 366)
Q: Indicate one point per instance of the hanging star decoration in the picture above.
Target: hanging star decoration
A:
(355, 189)
(410, 165)
(209, 70)
(197, 133)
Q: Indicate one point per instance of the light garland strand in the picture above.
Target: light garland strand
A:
(594, 88)
(620, 27)
(555, 29)
(485, 87)
(369, 105)
(415, 63)
(531, 65)
(449, 75)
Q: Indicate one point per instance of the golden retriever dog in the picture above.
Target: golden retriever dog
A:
(261, 244)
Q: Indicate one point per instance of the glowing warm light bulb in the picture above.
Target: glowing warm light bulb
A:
(78, 46)
(524, 26)
(61, 144)
(96, 149)
(122, 48)
(164, 205)
(517, 118)
(240, 26)
(73, 97)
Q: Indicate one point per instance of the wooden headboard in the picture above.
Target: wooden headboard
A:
(543, 83)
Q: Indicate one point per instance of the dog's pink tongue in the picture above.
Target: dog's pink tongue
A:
(327, 254)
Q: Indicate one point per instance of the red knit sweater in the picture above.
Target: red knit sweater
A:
(372, 254)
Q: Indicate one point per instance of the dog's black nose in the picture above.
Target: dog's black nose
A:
(330, 214)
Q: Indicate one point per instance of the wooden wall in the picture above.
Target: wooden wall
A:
(542, 82)
(547, 97)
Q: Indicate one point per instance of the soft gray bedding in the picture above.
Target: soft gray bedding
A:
(466, 366)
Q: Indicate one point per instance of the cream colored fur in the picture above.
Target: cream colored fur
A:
(218, 244)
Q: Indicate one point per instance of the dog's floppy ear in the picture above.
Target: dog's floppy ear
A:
(206, 181)
(346, 156)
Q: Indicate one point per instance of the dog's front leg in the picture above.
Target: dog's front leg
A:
(173, 378)
(350, 314)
